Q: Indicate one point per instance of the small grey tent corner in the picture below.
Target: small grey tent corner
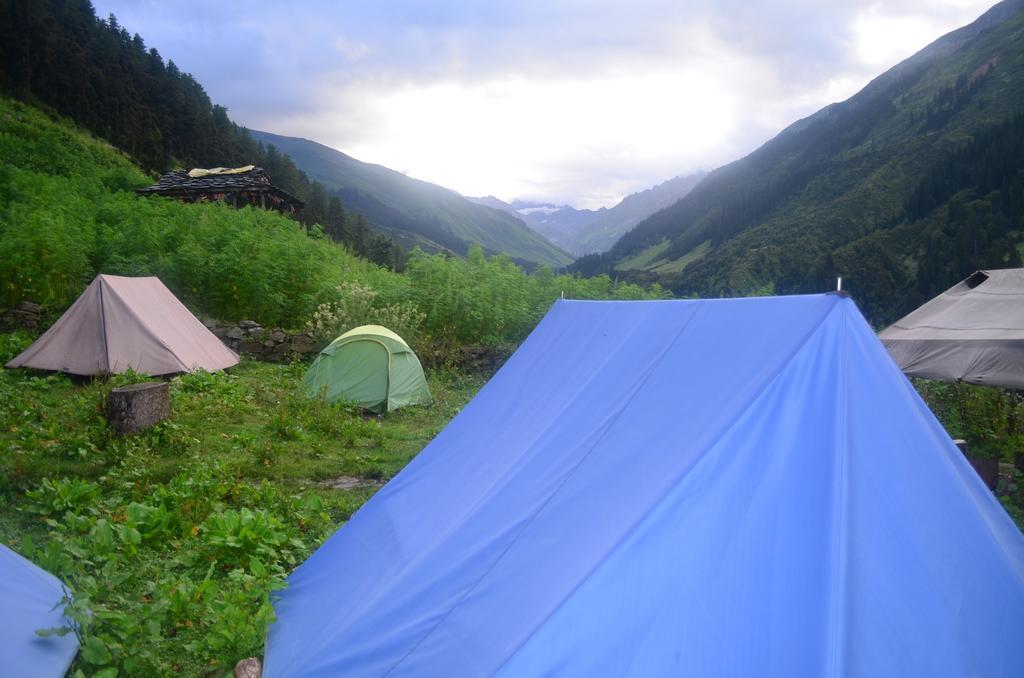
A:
(120, 323)
(974, 332)
(370, 366)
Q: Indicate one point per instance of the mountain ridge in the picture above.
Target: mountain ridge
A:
(413, 211)
(582, 232)
(831, 190)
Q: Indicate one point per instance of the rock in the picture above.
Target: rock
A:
(253, 331)
(235, 333)
(302, 343)
(268, 343)
(282, 353)
(248, 324)
(30, 307)
(220, 332)
(250, 345)
(139, 406)
(210, 324)
(351, 482)
(248, 668)
(277, 335)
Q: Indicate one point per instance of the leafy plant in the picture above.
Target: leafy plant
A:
(65, 494)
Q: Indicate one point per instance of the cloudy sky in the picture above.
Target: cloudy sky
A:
(571, 101)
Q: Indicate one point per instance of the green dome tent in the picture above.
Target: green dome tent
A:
(370, 366)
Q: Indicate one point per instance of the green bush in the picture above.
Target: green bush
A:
(990, 419)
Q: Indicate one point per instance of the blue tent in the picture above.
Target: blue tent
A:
(742, 487)
(31, 601)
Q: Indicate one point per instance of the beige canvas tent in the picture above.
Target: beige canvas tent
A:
(120, 323)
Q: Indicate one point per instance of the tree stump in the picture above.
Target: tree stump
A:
(248, 668)
(139, 406)
(988, 469)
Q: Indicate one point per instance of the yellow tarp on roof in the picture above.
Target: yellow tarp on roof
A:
(199, 172)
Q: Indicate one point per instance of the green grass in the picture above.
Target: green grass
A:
(679, 264)
(651, 258)
(173, 539)
(643, 258)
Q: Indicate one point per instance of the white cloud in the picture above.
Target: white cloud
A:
(882, 39)
(578, 101)
(490, 137)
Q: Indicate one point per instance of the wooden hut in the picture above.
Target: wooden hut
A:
(240, 186)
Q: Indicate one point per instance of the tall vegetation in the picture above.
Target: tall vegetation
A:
(68, 212)
(59, 54)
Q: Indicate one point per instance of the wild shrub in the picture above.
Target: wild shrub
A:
(61, 495)
(216, 392)
(298, 416)
(201, 381)
(356, 304)
(194, 558)
(990, 419)
(491, 301)
(13, 343)
(235, 537)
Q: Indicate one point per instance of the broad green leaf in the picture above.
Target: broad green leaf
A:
(95, 652)
(257, 568)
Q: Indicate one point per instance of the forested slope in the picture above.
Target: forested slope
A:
(903, 189)
(60, 55)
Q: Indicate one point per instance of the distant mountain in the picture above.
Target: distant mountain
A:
(904, 188)
(609, 225)
(560, 224)
(587, 231)
(415, 212)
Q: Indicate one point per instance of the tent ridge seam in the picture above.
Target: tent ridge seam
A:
(103, 331)
(839, 520)
(147, 328)
(767, 385)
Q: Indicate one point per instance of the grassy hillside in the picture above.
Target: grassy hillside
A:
(59, 55)
(68, 212)
(839, 193)
(415, 211)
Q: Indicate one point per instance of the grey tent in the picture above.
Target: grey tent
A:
(974, 331)
(120, 323)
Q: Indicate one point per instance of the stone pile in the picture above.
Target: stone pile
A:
(478, 359)
(25, 316)
(272, 345)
